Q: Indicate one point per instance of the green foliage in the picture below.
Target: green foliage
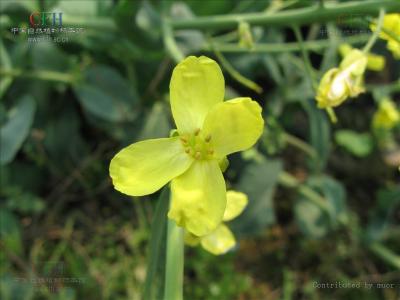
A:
(10, 231)
(358, 144)
(259, 182)
(106, 94)
(323, 198)
(16, 129)
(314, 221)
(155, 278)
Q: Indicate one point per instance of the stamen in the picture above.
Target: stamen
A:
(198, 155)
(197, 131)
(208, 138)
(211, 151)
(184, 140)
(187, 150)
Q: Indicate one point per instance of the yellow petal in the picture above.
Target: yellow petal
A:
(391, 23)
(354, 62)
(144, 167)
(344, 49)
(235, 204)
(332, 91)
(234, 125)
(219, 241)
(191, 239)
(197, 84)
(199, 198)
(394, 47)
(375, 62)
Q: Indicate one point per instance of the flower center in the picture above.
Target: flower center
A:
(197, 145)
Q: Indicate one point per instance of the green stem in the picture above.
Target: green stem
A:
(307, 15)
(175, 262)
(235, 74)
(331, 114)
(300, 144)
(310, 70)
(99, 23)
(290, 181)
(38, 74)
(169, 41)
(306, 58)
(375, 36)
(386, 254)
(284, 47)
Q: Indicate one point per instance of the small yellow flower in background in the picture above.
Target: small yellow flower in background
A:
(343, 82)
(391, 23)
(221, 239)
(209, 129)
(387, 116)
(374, 62)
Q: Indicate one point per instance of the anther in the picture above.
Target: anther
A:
(183, 140)
(208, 138)
(211, 152)
(197, 131)
(198, 155)
(187, 150)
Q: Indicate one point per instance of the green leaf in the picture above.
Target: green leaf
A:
(13, 289)
(156, 124)
(47, 56)
(25, 202)
(258, 182)
(14, 132)
(106, 94)
(5, 63)
(334, 193)
(310, 218)
(358, 144)
(320, 134)
(315, 222)
(382, 216)
(155, 277)
(10, 233)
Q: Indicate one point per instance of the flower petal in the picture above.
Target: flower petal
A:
(144, 167)
(199, 198)
(219, 241)
(191, 239)
(234, 125)
(197, 84)
(235, 204)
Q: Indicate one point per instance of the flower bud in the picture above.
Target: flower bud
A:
(245, 35)
(338, 84)
(387, 116)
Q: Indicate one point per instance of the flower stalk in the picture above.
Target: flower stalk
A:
(313, 14)
(375, 36)
(174, 262)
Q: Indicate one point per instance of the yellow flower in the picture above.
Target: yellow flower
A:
(221, 239)
(208, 130)
(387, 116)
(338, 84)
(374, 62)
(391, 23)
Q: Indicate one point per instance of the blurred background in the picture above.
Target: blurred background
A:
(324, 199)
